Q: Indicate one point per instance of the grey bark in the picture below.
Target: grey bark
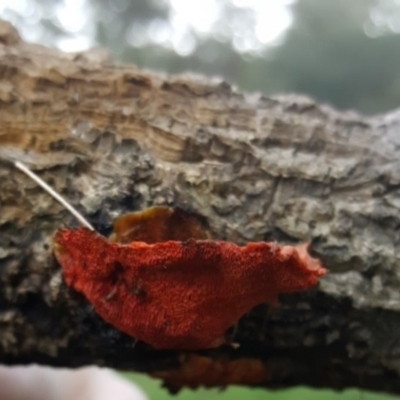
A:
(112, 138)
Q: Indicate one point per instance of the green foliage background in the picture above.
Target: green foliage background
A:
(154, 391)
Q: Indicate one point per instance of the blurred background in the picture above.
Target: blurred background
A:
(342, 52)
(346, 53)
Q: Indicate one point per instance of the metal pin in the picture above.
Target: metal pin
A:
(22, 167)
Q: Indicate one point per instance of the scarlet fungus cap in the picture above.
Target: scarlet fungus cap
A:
(175, 294)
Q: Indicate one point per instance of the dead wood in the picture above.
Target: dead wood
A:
(112, 138)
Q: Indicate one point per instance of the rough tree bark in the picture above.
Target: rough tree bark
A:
(112, 138)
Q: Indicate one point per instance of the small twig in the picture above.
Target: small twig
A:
(22, 167)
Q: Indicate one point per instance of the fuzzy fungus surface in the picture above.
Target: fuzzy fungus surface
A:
(176, 294)
(196, 371)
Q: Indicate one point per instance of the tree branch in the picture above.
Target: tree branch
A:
(112, 138)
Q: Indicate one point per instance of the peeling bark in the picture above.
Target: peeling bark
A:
(112, 138)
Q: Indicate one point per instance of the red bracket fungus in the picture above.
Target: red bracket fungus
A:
(183, 293)
(197, 370)
(160, 279)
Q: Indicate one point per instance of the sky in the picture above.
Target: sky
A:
(270, 19)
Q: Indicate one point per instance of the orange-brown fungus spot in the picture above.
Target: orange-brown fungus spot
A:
(196, 371)
(159, 224)
(175, 294)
